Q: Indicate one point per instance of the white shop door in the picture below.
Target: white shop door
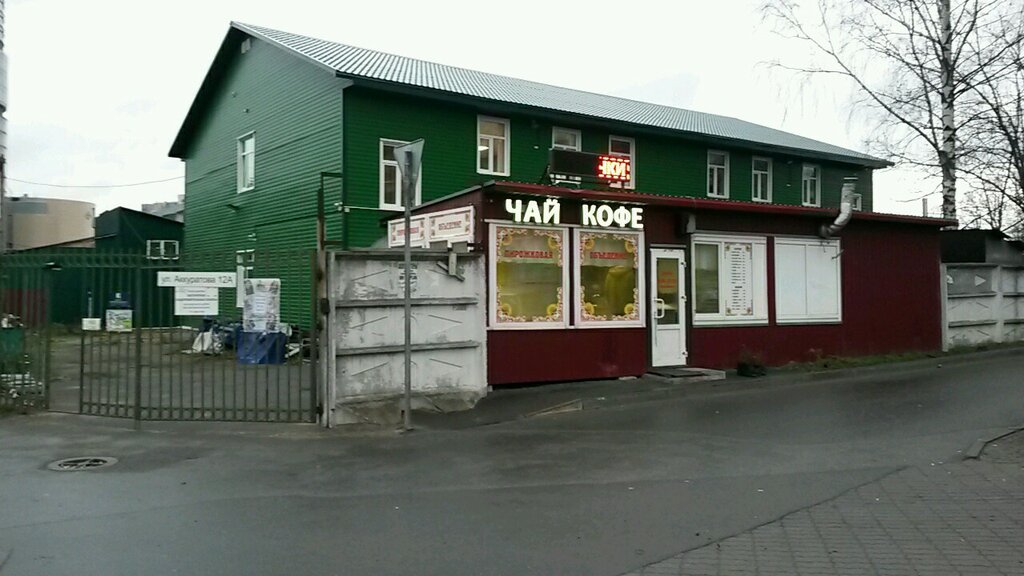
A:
(668, 307)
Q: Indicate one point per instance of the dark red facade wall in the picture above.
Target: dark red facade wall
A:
(891, 303)
(518, 356)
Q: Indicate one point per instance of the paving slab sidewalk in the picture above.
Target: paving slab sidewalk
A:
(959, 518)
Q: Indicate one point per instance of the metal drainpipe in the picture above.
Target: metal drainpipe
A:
(845, 210)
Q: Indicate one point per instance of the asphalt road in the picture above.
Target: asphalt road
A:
(591, 493)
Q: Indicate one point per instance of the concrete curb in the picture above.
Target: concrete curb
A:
(974, 452)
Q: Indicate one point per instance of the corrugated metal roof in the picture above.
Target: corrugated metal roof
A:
(380, 66)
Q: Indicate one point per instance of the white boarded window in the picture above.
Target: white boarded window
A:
(162, 249)
(247, 162)
(761, 180)
(811, 185)
(626, 147)
(808, 281)
(730, 280)
(718, 174)
(492, 151)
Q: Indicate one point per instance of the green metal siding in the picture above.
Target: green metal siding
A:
(664, 165)
(294, 110)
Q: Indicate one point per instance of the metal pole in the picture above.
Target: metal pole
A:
(407, 204)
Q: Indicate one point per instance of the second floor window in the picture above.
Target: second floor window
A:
(565, 139)
(247, 162)
(761, 185)
(391, 177)
(811, 185)
(622, 146)
(492, 146)
(718, 174)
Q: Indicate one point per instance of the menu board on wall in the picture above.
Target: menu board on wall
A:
(739, 264)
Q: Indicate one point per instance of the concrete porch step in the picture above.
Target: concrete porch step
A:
(683, 374)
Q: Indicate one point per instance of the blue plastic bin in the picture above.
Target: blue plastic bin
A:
(261, 348)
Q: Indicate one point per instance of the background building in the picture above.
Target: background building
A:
(38, 222)
(172, 210)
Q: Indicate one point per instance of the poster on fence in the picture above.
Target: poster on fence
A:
(262, 305)
(119, 320)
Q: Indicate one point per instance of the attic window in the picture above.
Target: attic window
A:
(246, 45)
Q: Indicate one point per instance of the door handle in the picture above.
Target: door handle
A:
(659, 306)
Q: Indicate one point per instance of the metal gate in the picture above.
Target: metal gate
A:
(114, 343)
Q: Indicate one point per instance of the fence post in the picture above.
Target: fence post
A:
(944, 312)
(997, 306)
(137, 326)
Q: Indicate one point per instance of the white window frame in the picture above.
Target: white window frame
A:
(631, 184)
(858, 202)
(397, 206)
(817, 185)
(161, 249)
(492, 281)
(240, 161)
(786, 283)
(725, 179)
(508, 148)
(641, 273)
(245, 262)
(578, 134)
(754, 173)
(759, 281)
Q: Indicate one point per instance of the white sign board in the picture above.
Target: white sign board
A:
(261, 312)
(197, 279)
(455, 225)
(192, 301)
(92, 324)
(396, 232)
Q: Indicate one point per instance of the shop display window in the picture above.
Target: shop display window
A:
(529, 277)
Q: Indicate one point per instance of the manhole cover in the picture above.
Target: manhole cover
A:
(81, 463)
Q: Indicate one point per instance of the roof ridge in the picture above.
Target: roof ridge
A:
(502, 76)
(355, 61)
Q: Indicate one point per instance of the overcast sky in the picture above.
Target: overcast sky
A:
(98, 89)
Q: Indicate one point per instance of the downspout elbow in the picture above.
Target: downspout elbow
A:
(845, 210)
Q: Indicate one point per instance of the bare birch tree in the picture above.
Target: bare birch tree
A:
(911, 60)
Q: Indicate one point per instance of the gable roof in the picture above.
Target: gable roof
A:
(360, 63)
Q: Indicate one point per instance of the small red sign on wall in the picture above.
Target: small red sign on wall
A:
(613, 168)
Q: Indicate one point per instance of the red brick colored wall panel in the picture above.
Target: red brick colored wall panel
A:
(516, 356)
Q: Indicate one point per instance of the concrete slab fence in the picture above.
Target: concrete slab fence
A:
(984, 304)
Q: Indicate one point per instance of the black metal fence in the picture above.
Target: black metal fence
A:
(95, 333)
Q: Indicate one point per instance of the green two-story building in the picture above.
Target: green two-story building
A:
(279, 114)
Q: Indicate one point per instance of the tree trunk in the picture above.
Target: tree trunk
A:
(947, 155)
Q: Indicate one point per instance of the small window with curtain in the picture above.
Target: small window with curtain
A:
(761, 184)
(811, 185)
(246, 162)
(718, 174)
(529, 273)
(566, 139)
(623, 146)
(608, 284)
(391, 177)
(492, 146)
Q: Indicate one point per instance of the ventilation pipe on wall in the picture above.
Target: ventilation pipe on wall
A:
(846, 200)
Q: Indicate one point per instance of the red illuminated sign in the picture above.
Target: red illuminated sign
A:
(613, 168)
